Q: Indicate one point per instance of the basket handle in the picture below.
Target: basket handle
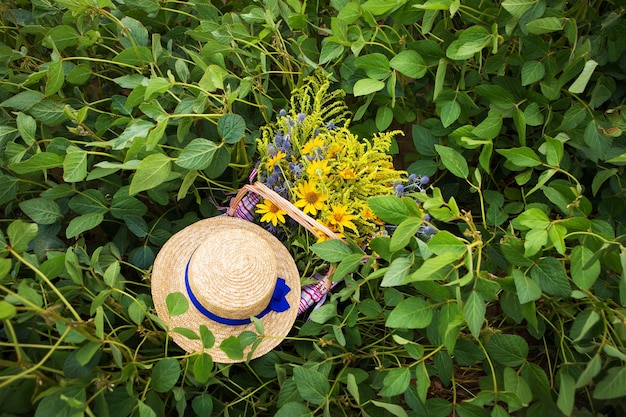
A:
(294, 212)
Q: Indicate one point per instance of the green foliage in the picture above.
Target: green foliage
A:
(121, 123)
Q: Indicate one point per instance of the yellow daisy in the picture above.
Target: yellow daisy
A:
(340, 218)
(318, 169)
(274, 160)
(271, 212)
(309, 199)
(310, 146)
(347, 173)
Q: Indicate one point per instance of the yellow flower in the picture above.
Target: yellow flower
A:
(322, 237)
(274, 160)
(318, 169)
(367, 214)
(347, 174)
(310, 146)
(309, 199)
(340, 218)
(271, 212)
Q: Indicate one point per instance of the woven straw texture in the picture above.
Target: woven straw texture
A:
(233, 269)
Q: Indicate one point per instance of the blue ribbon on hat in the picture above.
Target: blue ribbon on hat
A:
(278, 302)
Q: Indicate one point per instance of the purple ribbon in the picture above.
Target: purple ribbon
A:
(278, 302)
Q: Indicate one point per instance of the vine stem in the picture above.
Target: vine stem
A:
(47, 281)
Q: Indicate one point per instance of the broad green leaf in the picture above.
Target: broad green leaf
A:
(197, 155)
(134, 33)
(152, 172)
(124, 205)
(409, 63)
(593, 368)
(523, 157)
(156, 86)
(584, 322)
(490, 127)
(49, 112)
(404, 233)
(213, 78)
(545, 25)
(207, 337)
(397, 271)
(534, 218)
(583, 269)
(599, 179)
(56, 77)
(82, 224)
(20, 234)
(367, 86)
(612, 386)
(411, 313)
(41, 210)
(471, 41)
(384, 117)
(507, 349)
(90, 201)
(527, 289)
(333, 250)
(394, 409)
(581, 82)
(440, 77)
(27, 126)
(232, 347)
(61, 37)
(532, 71)
(38, 162)
(312, 385)
(74, 165)
(145, 410)
(474, 313)
(348, 265)
(8, 189)
(79, 75)
(453, 161)
(138, 128)
(294, 409)
(389, 208)
(324, 313)
(556, 234)
(176, 303)
(517, 8)
(431, 267)
(554, 151)
(375, 65)
(7, 310)
(446, 242)
(551, 277)
(380, 7)
(449, 111)
(203, 367)
(517, 385)
(188, 333)
(395, 382)
(165, 374)
(202, 405)
(231, 128)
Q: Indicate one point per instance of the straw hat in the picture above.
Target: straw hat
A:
(229, 270)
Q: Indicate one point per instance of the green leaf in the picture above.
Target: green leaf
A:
(584, 273)
(156, 86)
(449, 111)
(581, 82)
(517, 385)
(231, 346)
(207, 337)
(445, 242)
(38, 162)
(532, 71)
(61, 37)
(20, 234)
(312, 385)
(152, 172)
(348, 265)
(612, 386)
(395, 382)
(389, 208)
(404, 233)
(41, 210)
(324, 313)
(410, 313)
(375, 65)
(79, 75)
(56, 77)
(598, 180)
(394, 409)
(27, 126)
(82, 224)
(544, 25)
(584, 322)
(74, 165)
(293, 409)
(202, 405)
(188, 333)
(471, 41)
(380, 7)
(8, 189)
(231, 128)
(490, 127)
(203, 367)
(551, 277)
(384, 117)
(138, 128)
(517, 8)
(333, 250)
(124, 205)
(507, 349)
(198, 154)
(7, 310)
(213, 78)
(527, 289)
(522, 157)
(145, 410)
(176, 303)
(593, 368)
(453, 161)
(409, 63)
(534, 218)
(90, 201)
(165, 374)
(432, 266)
(474, 313)
(397, 271)
(367, 86)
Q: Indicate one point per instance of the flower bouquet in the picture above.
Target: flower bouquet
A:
(311, 159)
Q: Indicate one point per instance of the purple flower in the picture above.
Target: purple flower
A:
(330, 125)
(427, 217)
(282, 113)
(399, 189)
(296, 169)
(425, 179)
(301, 117)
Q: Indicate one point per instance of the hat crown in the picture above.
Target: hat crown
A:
(233, 275)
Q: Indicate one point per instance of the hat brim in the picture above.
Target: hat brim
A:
(168, 276)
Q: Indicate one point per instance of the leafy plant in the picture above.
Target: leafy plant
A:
(122, 122)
